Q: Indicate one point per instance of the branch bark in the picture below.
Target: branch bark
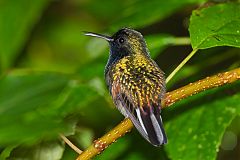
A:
(171, 97)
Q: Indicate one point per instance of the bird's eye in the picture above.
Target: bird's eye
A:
(121, 40)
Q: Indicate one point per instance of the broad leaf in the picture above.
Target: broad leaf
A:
(215, 26)
(16, 21)
(197, 131)
(25, 111)
(41, 151)
(39, 102)
(141, 13)
(6, 152)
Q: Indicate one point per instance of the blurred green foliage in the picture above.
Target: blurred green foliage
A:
(17, 19)
(51, 76)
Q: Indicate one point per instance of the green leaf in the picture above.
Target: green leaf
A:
(37, 105)
(26, 110)
(6, 152)
(197, 131)
(93, 69)
(215, 26)
(39, 102)
(135, 156)
(17, 18)
(74, 97)
(42, 151)
(140, 13)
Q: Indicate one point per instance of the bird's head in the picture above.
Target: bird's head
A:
(124, 42)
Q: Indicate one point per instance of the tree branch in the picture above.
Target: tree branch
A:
(201, 85)
(171, 97)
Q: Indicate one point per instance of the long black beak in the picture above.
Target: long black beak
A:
(107, 38)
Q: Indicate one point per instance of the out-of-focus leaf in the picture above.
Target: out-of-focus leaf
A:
(6, 152)
(135, 156)
(104, 10)
(25, 111)
(59, 44)
(39, 102)
(215, 26)
(84, 137)
(16, 21)
(42, 151)
(196, 132)
(141, 13)
(69, 154)
(83, 102)
(156, 43)
(75, 97)
(97, 47)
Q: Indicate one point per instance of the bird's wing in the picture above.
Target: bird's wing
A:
(138, 96)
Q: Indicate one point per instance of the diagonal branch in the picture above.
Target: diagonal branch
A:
(201, 85)
(171, 97)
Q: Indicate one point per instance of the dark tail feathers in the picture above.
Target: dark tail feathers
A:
(151, 123)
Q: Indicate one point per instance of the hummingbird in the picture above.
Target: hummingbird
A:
(135, 82)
